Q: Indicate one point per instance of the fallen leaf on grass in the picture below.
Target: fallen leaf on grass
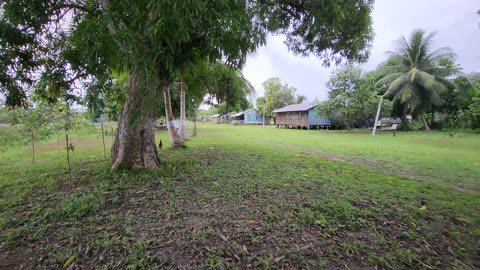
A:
(244, 248)
(224, 238)
(423, 207)
(278, 259)
(236, 257)
(69, 261)
(464, 220)
(252, 222)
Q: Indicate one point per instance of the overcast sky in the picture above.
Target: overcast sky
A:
(455, 21)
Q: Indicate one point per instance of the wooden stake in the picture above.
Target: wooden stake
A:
(103, 140)
(33, 148)
(68, 161)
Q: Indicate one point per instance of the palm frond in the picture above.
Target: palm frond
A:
(404, 94)
(435, 98)
(424, 79)
(397, 84)
(438, 54)
(445, 82)
(415, 102)
(387, 80)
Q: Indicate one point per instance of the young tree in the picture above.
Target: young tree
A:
(72, 40)
(262, 107)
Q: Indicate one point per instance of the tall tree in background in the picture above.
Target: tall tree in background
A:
(227, 87)
(342, 86)
(277, 95)
(352, 97)
(414, 76)
(300, 98)
(64, 42)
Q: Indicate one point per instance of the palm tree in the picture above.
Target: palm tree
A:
(415, 75)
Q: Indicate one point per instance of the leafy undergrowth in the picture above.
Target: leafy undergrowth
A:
(234, 206)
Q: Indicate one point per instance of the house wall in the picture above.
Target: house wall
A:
(216, 120)
(315, 120)
(251, 117)
(292, 118)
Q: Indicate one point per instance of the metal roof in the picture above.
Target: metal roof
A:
(215, 115)
(296, 107)
(244, 112)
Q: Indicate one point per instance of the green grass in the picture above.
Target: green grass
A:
(241, 197)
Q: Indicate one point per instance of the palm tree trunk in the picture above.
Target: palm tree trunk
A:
(175, 139)
(374, 131)
(182, 129)
(422, 115)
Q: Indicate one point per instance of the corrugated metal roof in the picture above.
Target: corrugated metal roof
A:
(296, 107)
(215, 115)
(244, 112)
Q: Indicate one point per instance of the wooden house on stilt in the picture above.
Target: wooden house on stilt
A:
(301, 115)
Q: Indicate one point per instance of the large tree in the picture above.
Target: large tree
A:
(61, 43)
(277, 95)
(352, 97)
(415, 76)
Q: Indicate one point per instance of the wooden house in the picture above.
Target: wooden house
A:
(301, 115)
(248, 117)
(215, 118)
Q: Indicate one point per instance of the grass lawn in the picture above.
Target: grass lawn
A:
(249, 197)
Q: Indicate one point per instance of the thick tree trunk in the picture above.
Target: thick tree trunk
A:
(175, 139)
(422, 115)
(134, 146)
(182, 129)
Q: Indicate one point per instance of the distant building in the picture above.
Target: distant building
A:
(248, 117)
(301, 115)
(225, 119)
(215, 118)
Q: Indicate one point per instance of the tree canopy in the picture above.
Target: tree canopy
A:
(277, 95)
(352, 97)
(58, 48)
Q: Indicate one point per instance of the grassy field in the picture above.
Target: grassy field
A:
(249, 197)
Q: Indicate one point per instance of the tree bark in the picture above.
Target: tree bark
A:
(134, 146)
(182, 129)
(422, 115)
(263, 122)
(175, 139)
